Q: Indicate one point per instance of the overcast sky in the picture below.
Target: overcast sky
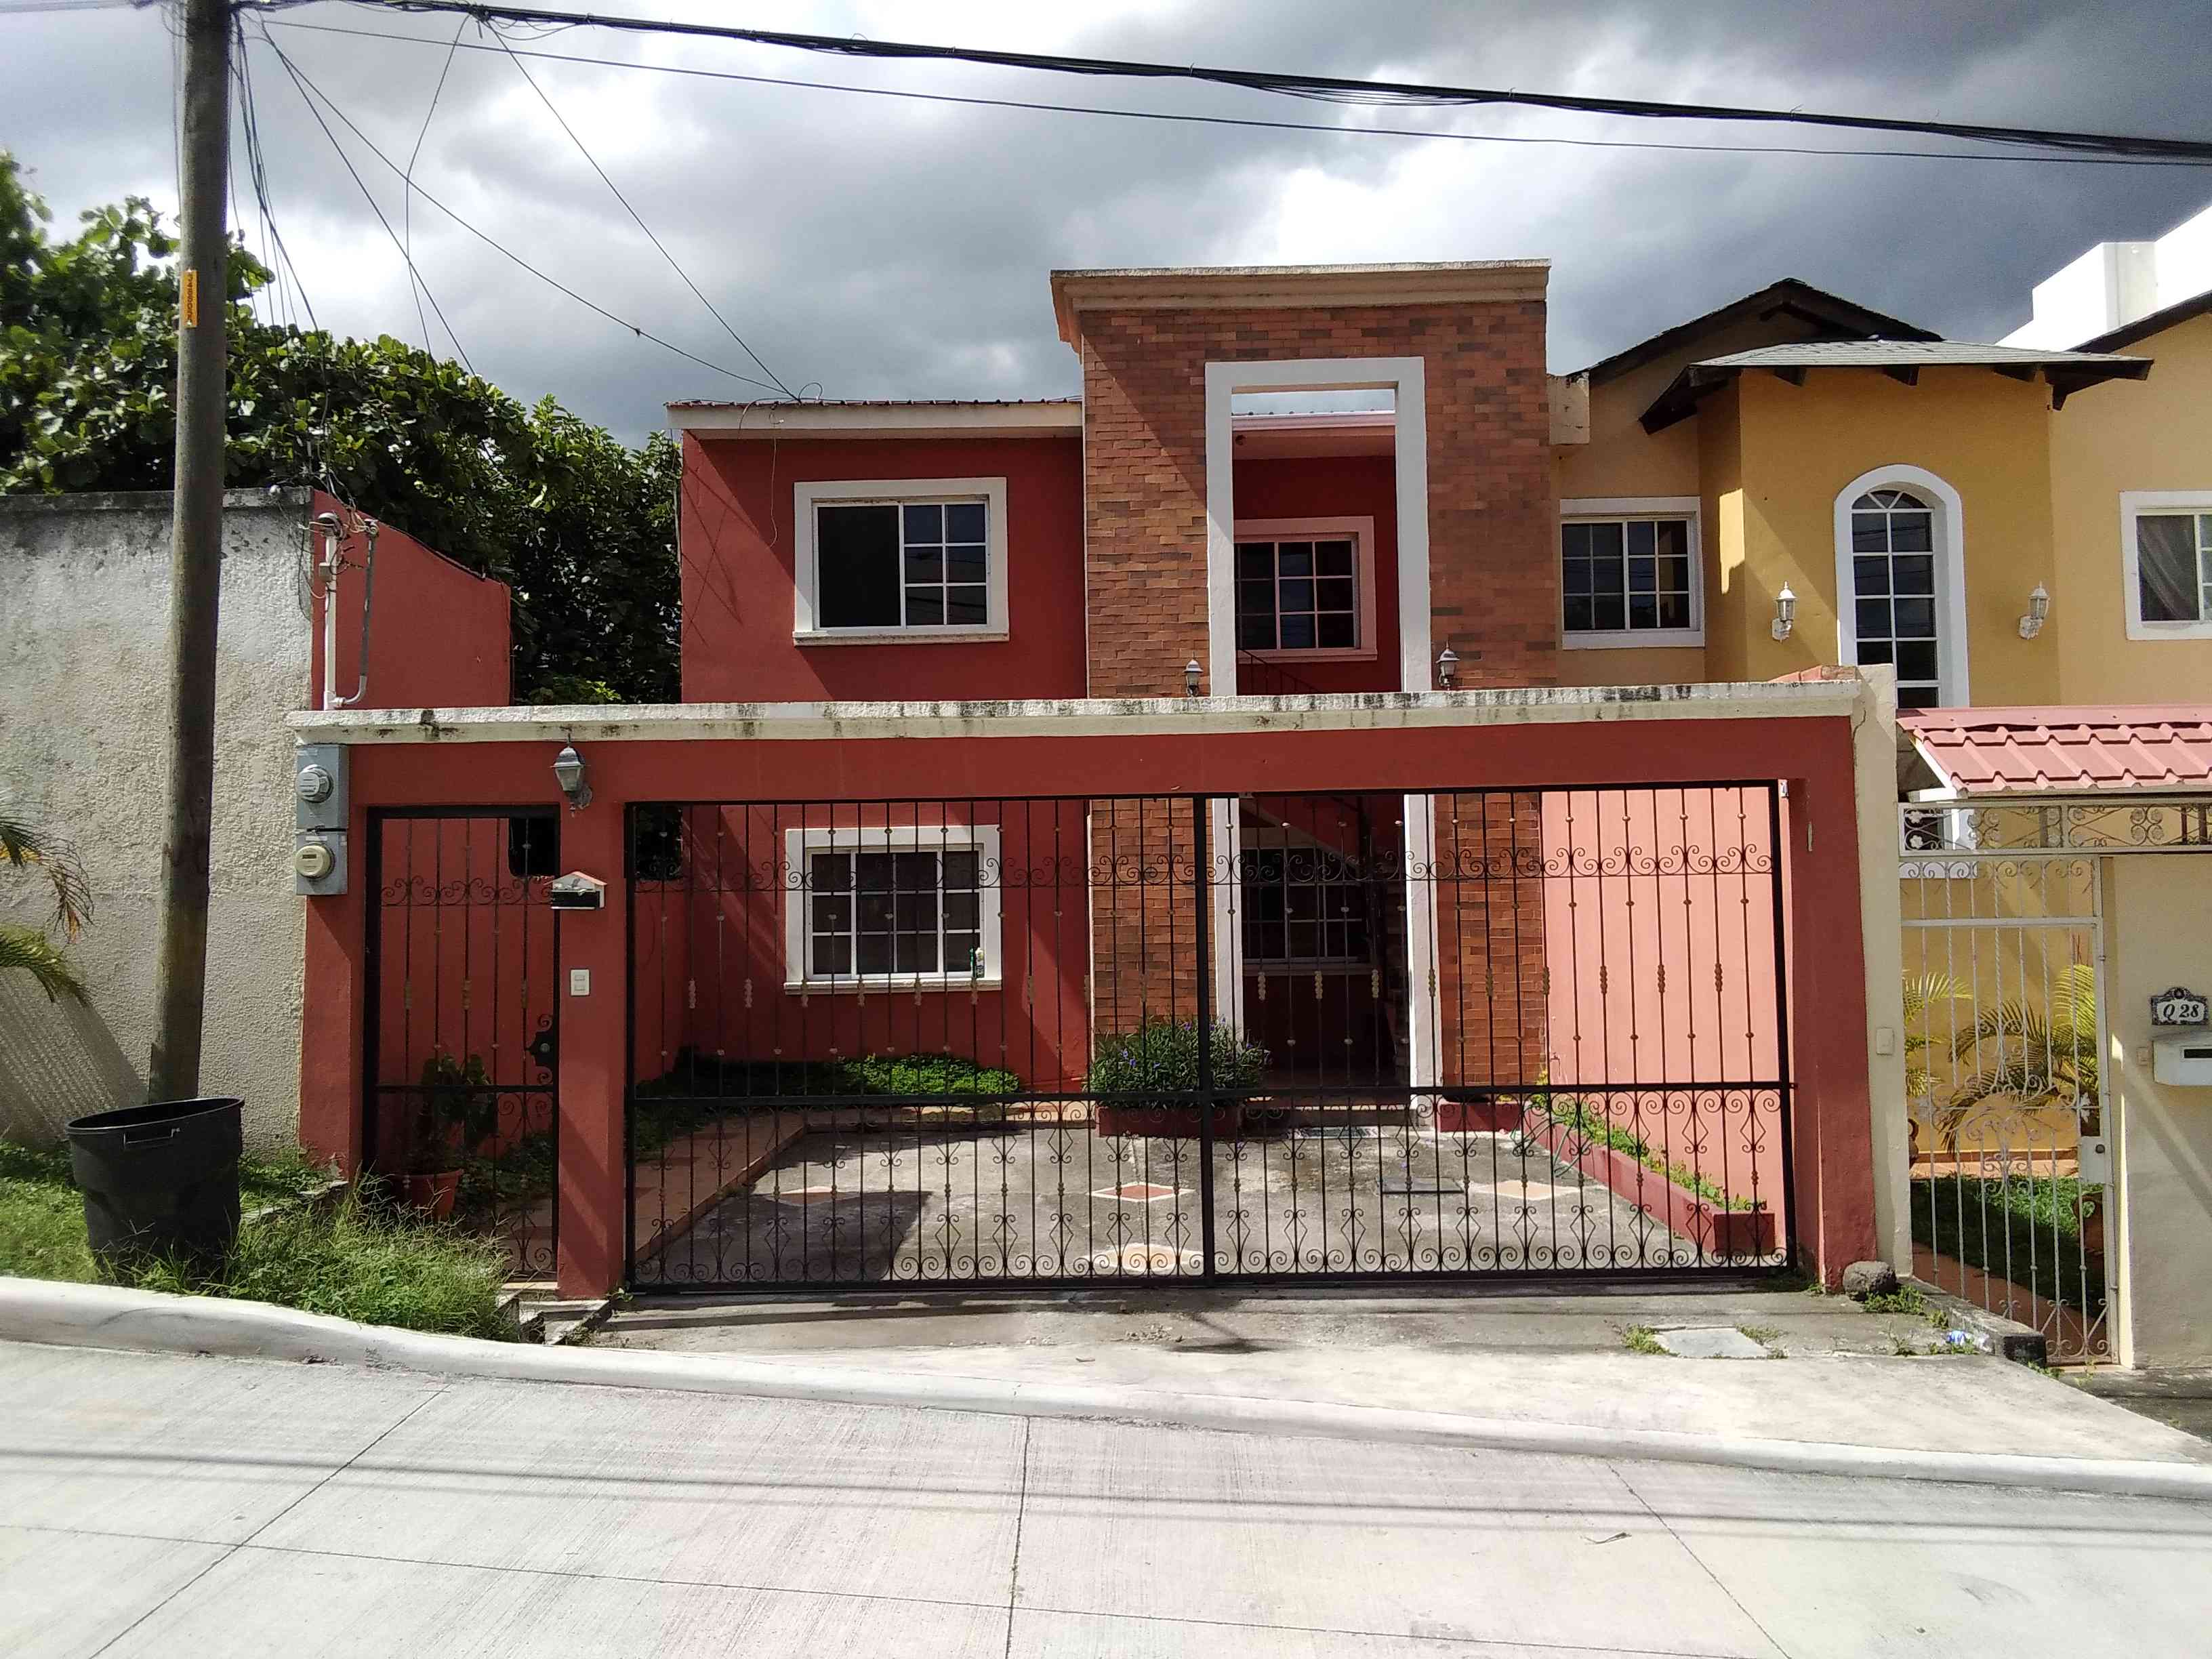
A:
(879, 246)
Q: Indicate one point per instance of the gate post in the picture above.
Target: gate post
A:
(594, 1070)
(1202, 885)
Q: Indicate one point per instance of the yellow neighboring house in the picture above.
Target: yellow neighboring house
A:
(2022, 529)
(2019, 522)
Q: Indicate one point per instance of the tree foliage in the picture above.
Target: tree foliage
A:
(578, 524)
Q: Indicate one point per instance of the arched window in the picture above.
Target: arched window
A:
(1899, 577)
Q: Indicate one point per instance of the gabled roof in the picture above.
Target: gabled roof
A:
(2127, 334)
(2066, 372)
(2065, 750)
(1830, 314)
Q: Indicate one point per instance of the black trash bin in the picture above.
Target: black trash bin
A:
(160, 1180)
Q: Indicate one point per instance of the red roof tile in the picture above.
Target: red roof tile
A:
(2070, 749)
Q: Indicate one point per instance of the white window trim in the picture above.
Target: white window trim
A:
(892, 492)
(1600, 509)
(1361, 531)
(2133, 504)
(1950, 544)
(800, 845)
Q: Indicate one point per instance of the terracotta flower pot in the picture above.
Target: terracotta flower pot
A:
(431, 1194)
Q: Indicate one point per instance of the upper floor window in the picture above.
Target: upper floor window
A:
(903, 906)
(1629, 573)
(1305, 587)
(2167, 537)
(908, 559)
(1901, 585)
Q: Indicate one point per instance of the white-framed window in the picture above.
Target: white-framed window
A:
(1305, 587)
(902, 559)
(2166, 538)
(908, 905)
(1629, 573)
(1303, 906)
(1901, 582)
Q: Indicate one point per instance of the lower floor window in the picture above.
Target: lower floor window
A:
(894, 905)
(2173, 567)
(1301, 905)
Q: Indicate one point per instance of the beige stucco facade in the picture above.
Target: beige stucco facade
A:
(2155, 910)
(83, 756)
(2038, 493)
(2107, 440)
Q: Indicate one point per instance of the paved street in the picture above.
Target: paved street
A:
(157, 1505)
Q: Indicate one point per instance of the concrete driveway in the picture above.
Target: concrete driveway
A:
(1054, 1201)
(158, 1504)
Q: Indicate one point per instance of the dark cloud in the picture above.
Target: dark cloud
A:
(884, 248)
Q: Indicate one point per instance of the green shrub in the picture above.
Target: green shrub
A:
(1160, 1058)
(1595, 1127)
(701, 1088)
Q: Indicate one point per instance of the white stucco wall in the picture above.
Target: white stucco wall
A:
(84, 603)
(2156, 906)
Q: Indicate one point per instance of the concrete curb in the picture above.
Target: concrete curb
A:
(106, 1317)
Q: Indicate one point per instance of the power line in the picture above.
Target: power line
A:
(1262, 124)
(1330, 89)
(523, 70)
(368, 196)
(498, 247)
(407, 191)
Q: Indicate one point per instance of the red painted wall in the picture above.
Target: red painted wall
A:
(1832, 1145)
(736, 540)
(712, 960)
(1332, 487)
(439, 634)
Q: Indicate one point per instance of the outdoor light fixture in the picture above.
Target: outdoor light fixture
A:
(1191, 671)
(2038, 608)
(1447, 668)
(569, 772)
(1785, 612)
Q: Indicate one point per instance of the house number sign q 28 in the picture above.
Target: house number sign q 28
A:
(2177, 1005)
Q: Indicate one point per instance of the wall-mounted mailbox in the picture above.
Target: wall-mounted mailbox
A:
(2184, 1060)
(578, 892)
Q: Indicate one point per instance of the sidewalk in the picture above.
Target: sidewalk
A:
(159, 1504)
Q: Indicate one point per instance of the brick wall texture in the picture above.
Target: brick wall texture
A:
(1493, 561)
(1493, 584)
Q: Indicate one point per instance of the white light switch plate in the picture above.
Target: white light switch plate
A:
(580, 982)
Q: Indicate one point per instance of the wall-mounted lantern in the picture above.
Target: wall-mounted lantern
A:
(1785, 612)
(2039, 611)
(1447, 669)
(569, 772)
(1191, 673)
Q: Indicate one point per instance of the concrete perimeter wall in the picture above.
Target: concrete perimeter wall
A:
(83, 756)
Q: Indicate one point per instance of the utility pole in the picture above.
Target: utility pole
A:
(196, 552)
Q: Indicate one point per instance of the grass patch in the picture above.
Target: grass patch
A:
(2023, 1229)
(1596, 1127)
(354, 1260)
(1905, 1299)
(1641, 1338)
(1767, 1333)
(699, 1088)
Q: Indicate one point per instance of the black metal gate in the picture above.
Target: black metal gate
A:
(1056, 1041)
(462, 1118)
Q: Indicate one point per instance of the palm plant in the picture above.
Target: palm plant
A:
(33, 950)
(2044, 1058)
(1923, 994)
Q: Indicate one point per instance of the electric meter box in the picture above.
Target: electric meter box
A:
(2185, 1059)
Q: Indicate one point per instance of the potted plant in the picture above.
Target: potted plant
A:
(1146, 1082)
(457, 1111)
